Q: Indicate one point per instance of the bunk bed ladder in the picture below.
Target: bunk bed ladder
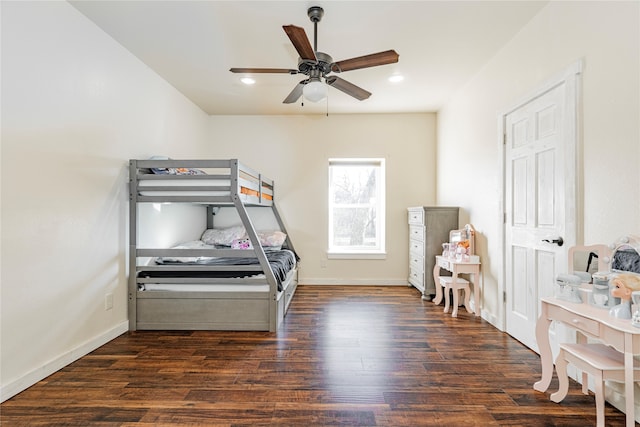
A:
(288, 244)
(264, 262)
(257, 247)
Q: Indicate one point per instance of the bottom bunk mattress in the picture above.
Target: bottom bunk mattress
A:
(281, 262)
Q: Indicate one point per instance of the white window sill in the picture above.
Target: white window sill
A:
(356, 255)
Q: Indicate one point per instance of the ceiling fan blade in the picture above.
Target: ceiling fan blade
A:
(300, 41)
(372, 60)
(348, 88)
(264, 70)
(295, 94)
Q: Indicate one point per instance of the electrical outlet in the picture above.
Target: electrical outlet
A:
(108, 301)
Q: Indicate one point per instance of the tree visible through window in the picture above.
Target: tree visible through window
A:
(356, 205)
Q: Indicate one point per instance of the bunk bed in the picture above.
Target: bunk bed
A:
(238, 284)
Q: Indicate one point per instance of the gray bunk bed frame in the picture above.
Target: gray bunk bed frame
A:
(204, 310)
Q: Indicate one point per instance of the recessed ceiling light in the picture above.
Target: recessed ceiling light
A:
(396, 78)
(247, 80)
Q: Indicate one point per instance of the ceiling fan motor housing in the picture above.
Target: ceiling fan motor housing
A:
(324, 64)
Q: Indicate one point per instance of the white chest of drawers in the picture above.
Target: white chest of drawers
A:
(429, 228)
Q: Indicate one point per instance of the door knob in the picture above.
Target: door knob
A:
(559, 241)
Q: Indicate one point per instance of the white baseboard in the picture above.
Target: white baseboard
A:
(356, 282)
(491, 318)
(7, 391)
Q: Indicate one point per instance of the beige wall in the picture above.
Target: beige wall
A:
(75, 107)
(605, 35)
(294, 151)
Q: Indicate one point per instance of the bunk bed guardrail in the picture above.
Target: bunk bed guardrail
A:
(200, 181)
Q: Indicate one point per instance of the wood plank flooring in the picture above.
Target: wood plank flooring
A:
(351, 356)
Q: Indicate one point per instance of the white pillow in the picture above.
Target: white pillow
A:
(223, 236)
(272, 238)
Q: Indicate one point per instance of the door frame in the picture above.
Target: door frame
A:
(571, 77)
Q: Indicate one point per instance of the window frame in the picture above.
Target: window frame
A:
(359, 252)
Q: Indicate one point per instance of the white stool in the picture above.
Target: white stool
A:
(461, 284)
(601, 361)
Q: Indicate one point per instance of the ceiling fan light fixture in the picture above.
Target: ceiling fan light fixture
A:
(247, 80)
(315, 91)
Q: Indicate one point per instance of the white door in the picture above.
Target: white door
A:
(539, 203)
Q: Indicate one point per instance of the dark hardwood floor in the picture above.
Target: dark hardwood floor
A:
(354, 356)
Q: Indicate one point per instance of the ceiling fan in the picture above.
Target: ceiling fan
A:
(318, 65)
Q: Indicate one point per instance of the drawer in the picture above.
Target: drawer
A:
(443, 263)
(416, 260)
(589, 326)
(416, 232)
(416, 278)
(416, 246)
(416, 216)
(289, 292)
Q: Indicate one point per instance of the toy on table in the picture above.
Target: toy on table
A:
(622, 287)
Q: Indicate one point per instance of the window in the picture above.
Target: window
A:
(356, 208)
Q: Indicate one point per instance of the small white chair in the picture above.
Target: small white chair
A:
(601, 361)
(461, 284)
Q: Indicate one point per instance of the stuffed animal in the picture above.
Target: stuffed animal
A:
(241, 244)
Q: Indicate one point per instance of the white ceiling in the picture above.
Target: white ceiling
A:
(192, 45)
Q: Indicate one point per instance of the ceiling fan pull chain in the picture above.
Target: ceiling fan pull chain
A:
(327, 103)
